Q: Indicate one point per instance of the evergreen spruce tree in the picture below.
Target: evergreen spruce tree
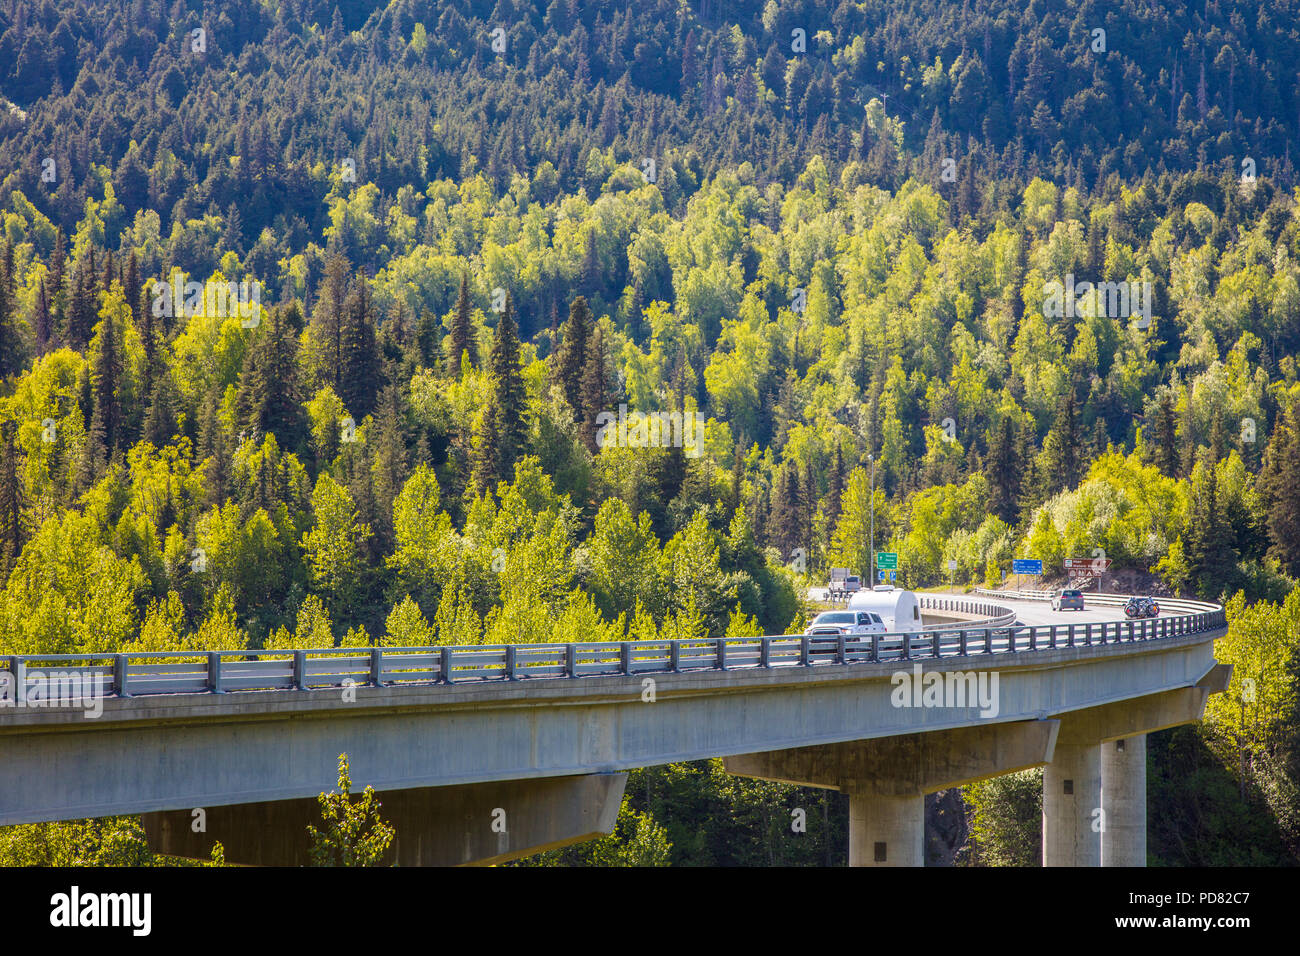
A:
(214, 448)
(427, 339)
(572, 354)
(268, 400)
(835, 488)
(1279, 484)
(42, 325)
(1032, 490)
(1062, 463)
(461, 338)
(13, 529)
(1208, 549)
(595, 387)
(590, 279)
(107, 377)
(737, 476)
(1167, 436)
(360, 374)
(81, 307)
(328, 317)
(1002, 469)
(484, 452)
(787, 525)
(391, 465)
(508, 402)
(1188, 439)
(1218, 438)
(11, 360)
(160, 418)
(58, 285)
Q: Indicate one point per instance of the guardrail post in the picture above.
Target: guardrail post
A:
(841, 650)
(937, 645)
(119, 675)
(765, 652)
(988, 640)
(675, 657)
(1033, 638)
(1011, 638)
(512, 662)
(446, 666)
(1087, 634)
(570, 660)
(1053, 636)
(804, 659)
(376, 668)
(907, 646)
(299, 670)
(1071, 636)
(962, 638)
(1130, 631)
(722, 653)
(214, 672)
(625, 657)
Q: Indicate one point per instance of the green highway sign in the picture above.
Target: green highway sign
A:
(887, 560)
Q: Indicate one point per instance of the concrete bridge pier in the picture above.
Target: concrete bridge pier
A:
(886, 831)
(1124, 801)
(1094, 790)
(887, 778)
(1072, 806)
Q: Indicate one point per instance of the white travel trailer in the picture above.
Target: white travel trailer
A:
(898, 608)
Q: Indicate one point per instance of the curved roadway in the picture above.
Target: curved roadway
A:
(1032, 613)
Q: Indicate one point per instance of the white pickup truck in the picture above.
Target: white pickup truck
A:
(835, 623)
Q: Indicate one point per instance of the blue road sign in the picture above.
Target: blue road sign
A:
(1027, 566)
(880, 575)
(893, 575)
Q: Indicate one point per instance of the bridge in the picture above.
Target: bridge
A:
(485, 754)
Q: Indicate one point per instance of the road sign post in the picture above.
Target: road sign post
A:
(1031, 566)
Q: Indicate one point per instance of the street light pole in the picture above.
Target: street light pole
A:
(872, 575)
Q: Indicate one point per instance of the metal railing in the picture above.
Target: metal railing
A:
(216, 672)
(1180, 605)
(994, 615)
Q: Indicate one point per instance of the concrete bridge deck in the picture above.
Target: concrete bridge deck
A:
(550, 729)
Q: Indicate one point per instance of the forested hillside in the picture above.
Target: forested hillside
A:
(425, 271)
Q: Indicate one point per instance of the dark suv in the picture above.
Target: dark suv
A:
(1068, 600)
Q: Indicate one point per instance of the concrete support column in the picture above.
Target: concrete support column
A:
(1124, 802)
(886, 831)
(1071, 794)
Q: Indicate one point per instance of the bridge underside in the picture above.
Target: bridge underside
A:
(1094, 776)
(480, 823)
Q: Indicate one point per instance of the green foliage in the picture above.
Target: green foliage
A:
(107, 841)
(352, 832)
(1006, 820)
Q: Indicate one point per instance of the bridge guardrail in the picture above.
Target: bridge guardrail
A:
(995, 615)
(1182, 605)
(54, 676)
